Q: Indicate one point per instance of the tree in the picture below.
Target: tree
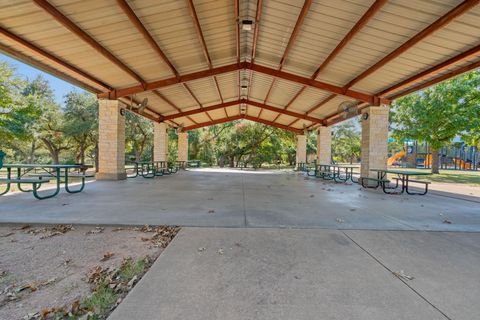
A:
(16, 112)
(138, 136)
(346, 143)
(439, 114)
(81, 125)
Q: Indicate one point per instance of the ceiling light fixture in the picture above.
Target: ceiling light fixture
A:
(247, 25)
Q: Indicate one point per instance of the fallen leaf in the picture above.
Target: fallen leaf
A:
(400, 274)
(447, 221)
(202, 249)
(339, 220)
(211, 211)
(96, 230)
(220, 251)
(107, 255)
(7, 234)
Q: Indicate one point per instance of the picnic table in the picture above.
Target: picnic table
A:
(336, 172)
(24, 175)
(403, 177)
(151, 169)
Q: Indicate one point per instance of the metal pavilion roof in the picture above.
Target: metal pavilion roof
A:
(196, 65)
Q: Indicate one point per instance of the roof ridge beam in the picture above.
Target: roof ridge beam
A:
(67, 23)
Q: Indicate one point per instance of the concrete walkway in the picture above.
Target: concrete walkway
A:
(310, 274)
(216, 198)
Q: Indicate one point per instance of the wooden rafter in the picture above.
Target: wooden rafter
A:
(317, 84)
(367, 16)
(435, 26)
(451, 74)
(170, 103)
(144, 32)
(291, 40)
(114, 94)
(67, 23)
(47, 68)
(258, 15)
(469, 54)
(238, 117)
(248, 102)
(36, 51)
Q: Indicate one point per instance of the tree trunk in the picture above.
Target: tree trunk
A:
(54, 153)
(435, 161)
(82, 153)
(31, 156)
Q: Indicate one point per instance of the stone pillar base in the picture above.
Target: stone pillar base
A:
(111, 176)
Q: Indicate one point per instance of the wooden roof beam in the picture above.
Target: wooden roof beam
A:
(273, 124)
(246, 65)
(114, 94)
(367, 16)
(38, 52)
(256, 30)
(291, 40)
(211, 123)
(451, 74)
(47, 68)
(318, 84)
(171, 104)
(438, 24)
(59, 17)
(248, 102)
(469, 54)
(144, 32)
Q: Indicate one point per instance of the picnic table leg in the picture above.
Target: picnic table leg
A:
(416, 193)
(19, 176)
(135, 172)
(67, 187)
(7, 188)
(36, 186)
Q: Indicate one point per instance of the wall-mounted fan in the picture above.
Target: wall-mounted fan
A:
(348, 108)
(141, 107)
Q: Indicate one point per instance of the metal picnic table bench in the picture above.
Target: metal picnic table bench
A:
(402, 176)
(57, 172)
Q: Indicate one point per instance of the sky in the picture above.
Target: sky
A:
(59, 87)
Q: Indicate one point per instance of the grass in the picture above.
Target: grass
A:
(130, 269)
(450, 176)
(101, 301)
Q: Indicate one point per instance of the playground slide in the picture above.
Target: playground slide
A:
(395, 157)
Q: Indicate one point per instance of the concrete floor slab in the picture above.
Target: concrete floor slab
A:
(233, 198)
(444, 265)
(270, 274)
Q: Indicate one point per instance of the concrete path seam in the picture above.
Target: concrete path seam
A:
(391, 271)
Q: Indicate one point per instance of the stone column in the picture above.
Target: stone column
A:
(160, 141)
(111, 141)
(301, 156)
(182, 154)
(324, 145)
(374, 140)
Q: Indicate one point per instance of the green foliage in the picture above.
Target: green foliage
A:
(131, 268)
(17, 112)
(101, 301)
(138, 137)
(346, 143)
(440, 113)
(241, 142)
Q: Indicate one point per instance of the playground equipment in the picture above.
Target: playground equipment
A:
(415, 155)
(397, 156)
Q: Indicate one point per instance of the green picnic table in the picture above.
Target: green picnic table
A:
(49, 172)
(402, 176)
(151, 169)
(336, 172)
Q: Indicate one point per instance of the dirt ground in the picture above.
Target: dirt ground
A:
(46, 266)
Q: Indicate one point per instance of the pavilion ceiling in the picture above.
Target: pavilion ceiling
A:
(197, 66)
